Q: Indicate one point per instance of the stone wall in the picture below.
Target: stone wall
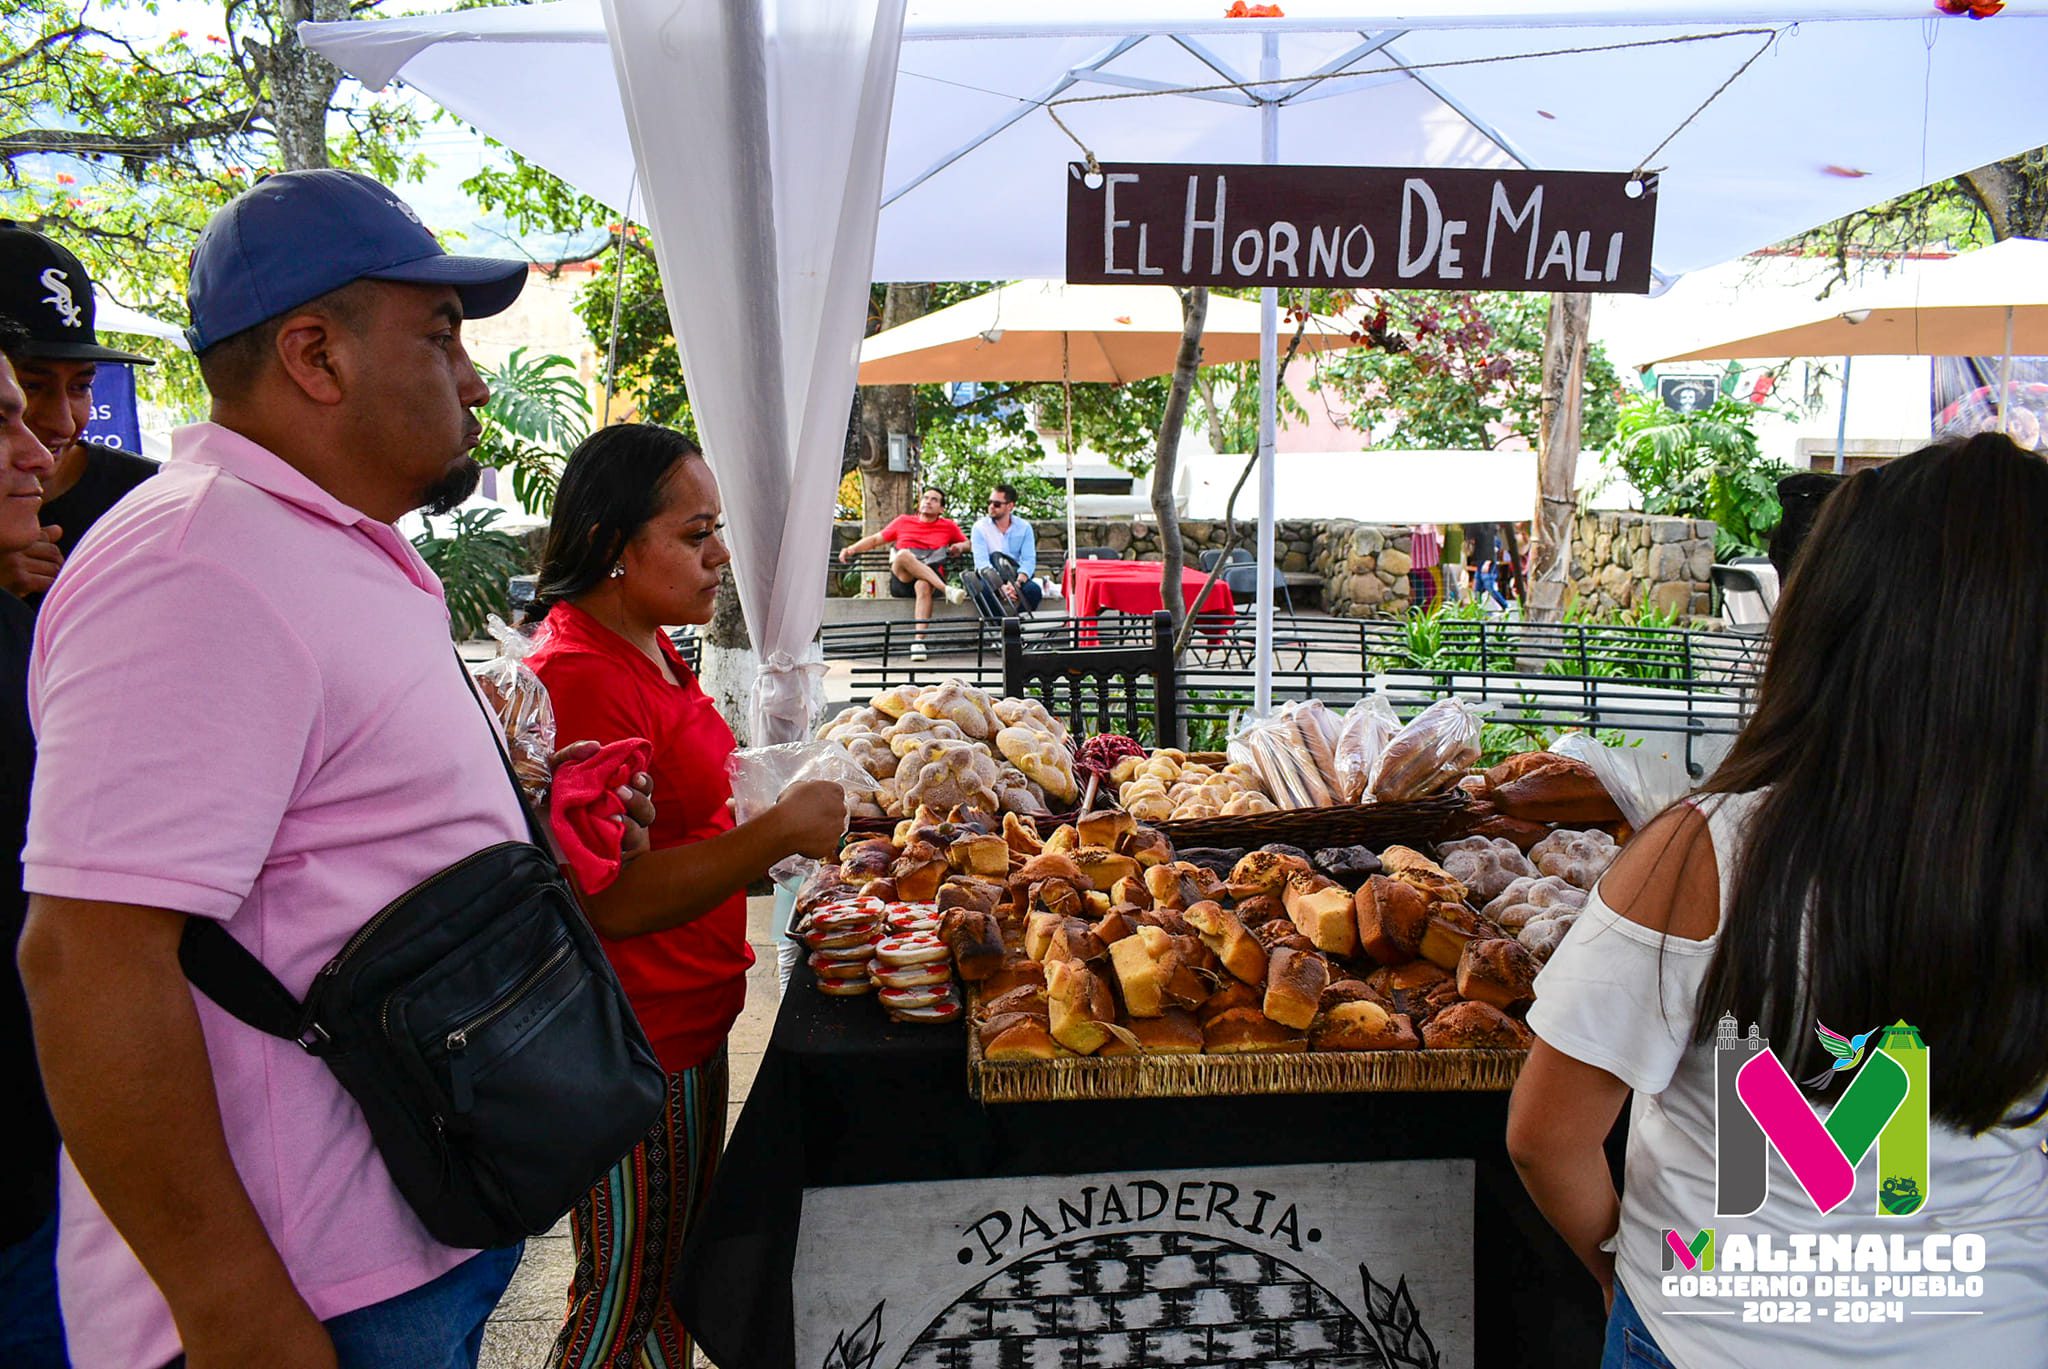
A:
(1623, 560)
(1364, 568)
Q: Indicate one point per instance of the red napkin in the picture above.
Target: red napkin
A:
(586, 807)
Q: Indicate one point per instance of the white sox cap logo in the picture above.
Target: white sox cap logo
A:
(60, 298)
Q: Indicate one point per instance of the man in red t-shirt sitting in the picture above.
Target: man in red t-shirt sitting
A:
(922, 540)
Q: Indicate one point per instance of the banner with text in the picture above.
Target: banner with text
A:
(1132, 223)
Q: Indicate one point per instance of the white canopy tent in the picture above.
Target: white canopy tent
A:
(1763, 118)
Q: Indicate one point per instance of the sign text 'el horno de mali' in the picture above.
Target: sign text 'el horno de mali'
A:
(1133, 223)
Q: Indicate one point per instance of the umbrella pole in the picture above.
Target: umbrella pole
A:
(1067, 441)
(1842, 420)
(2005, 370)
(1269, 348)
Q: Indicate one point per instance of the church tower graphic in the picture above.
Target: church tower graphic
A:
(1741, 1153)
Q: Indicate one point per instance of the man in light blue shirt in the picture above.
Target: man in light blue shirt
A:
(1002, 530)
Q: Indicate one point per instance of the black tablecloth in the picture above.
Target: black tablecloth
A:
(844, 1097)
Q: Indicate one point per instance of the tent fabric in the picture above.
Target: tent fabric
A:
(759, 131)
(1952, 307)
(1113, 334)
(1828, 120)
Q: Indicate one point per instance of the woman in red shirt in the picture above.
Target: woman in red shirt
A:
(632, 549)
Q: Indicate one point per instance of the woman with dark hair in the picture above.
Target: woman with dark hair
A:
(634, 548)
(1862, 881)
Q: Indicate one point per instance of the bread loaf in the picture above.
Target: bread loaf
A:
(1263, 872)
(1281, 932)
(1102, 868)
(1136, 961)
(1016, 973)
(1104, 828)
(1540, 786)
(1234, 994)
(1363, 1025)
(1469, 1026)
(1391, 919)
(962, 891)
(1295, 981)
(1497, 971)
(979, 855)
(976, 941)
(1079, 1005)
(1234, 946)
(1018, 1036)
(1074, 939)
(1173, 1032)
(1027, 998)
(1247, 1031)
(1322, 909)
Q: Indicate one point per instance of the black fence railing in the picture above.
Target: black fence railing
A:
(1543, 676)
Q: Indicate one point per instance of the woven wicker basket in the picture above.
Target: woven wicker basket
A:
(1372, 824)
(1085, 1078)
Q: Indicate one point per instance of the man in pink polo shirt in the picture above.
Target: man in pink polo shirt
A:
(247, 708)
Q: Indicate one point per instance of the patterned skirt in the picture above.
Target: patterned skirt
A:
(628, 1234)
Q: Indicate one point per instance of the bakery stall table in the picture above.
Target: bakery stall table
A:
(1133, 587)
(869, 1212)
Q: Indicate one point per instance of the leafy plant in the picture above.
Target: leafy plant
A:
(1207, 716)
(1704, 464)
(474, 563)
(539, 411)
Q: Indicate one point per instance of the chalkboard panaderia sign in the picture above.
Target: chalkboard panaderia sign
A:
(1354, 1266)
(1134, 223)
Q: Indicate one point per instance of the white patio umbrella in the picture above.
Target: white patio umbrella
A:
(1046, 330)
(1764, 117)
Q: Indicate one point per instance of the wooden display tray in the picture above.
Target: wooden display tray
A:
(1377, 825)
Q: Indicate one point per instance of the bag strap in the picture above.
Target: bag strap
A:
(225, 971)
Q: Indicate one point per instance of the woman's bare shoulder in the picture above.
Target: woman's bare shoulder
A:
(1667, 879)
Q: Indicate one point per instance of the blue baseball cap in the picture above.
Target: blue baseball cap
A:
(296, 235)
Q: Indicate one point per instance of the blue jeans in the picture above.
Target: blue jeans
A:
(31, 1328)
(1629, 1342)
(439, 1325)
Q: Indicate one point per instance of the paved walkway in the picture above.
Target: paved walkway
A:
(524, 1326)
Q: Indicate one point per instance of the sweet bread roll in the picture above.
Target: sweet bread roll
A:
(1468, 1026)
(1173, 1032)
(1391, 917)
(1050, 865)
(1322, 909)
(1580, 857)
(1263, 872)
(918, 872)
(1104, 828)
(1029, 713)
(1540, 786)
(1542, 936)
(1352, 991)
(1140, 975)
(1260, 909)
(1485, 865)
(1048, 762)
(1408, 986)
(1021, 835)
(1113, 926)
(1234, 993)
(961, 704)
(1247, 1031)
(1295, 981)
(1450, 926)
(1499, 972)
(1147, 846)
(912, 730)
(1075, 940)
(1226, 936)
(897, 700)
(1363, 1025)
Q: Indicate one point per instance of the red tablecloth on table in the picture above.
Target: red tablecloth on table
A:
(1133, 587)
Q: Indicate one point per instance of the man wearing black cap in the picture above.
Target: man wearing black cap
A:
(31, 1333)
(246, 710)
(45, 290)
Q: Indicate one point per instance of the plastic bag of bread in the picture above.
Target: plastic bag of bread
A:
(520, 700)
(1428, 755)
(1362, 734)
(1291, 753)
(760, 774)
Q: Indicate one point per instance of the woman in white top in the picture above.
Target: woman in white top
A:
(1871, 853)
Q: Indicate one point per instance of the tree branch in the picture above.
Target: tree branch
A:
(75, 142)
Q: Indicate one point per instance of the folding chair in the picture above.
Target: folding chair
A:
(1243, 579)
(1098, 689)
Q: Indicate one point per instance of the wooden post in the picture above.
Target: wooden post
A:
(1565, 340)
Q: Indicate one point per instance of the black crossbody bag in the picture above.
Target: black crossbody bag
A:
(479, 1026)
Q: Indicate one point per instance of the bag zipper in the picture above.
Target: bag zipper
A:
(461, 1094)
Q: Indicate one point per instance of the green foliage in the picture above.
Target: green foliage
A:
(650, 370)
(1452, 369)
(474, 562)
(537, 414)
(121, 145)
(1704, 464)
(1507, 737)
(1207, 716)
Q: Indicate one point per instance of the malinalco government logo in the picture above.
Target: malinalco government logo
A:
(1759, 1108)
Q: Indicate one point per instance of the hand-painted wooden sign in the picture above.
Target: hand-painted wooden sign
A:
(1133, 223)
(1364, 1265)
